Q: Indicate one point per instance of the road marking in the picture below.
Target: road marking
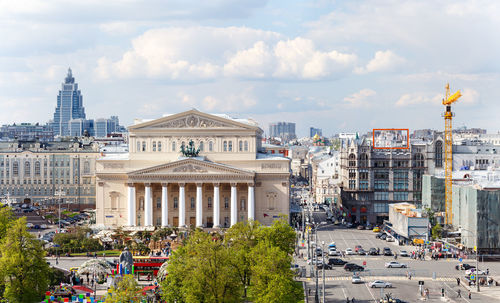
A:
(343, 291)
(375, 300)
(455, 292)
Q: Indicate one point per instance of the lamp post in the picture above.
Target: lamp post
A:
(59, 193)
(477, 259)
(323, 267)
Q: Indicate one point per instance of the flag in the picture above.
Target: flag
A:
(266, 215)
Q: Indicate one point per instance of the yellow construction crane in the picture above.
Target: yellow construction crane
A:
(448, 152)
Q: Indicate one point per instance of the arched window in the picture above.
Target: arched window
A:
(363, 160)
(159, 146)
(230, 146)
(352, 160)
(246, 145)
(138, 146)
(240, 145)
(225, 146)
(15, 169)
(418, 160)
(173, 146)
(154, 146)
(439, 154)
(201, 146)
(27, 168)
(37, 168)
(210, 146)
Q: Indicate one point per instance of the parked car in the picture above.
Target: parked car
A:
(321, 264)
(349, 225)
(353, 267)
(404, 253)
(376, 229)
(464, 266)
(395, 264)
(383, 236)
(334, 252)
(356, 279)
(44, 226)
(390, 239)
(373, 251)
(361, 252)
(349, 251)
(360, 227)
(387, 251)
(378, 235)
(357, 247)
(319, 251)
(379, 284)
(29, 225)
(474, 271)
(336, 262)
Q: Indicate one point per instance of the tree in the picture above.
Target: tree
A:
(6, 219)
(272, 279)
(279, 234)
(436, 231)
(127, 290)
(23, 268)
(429, 213)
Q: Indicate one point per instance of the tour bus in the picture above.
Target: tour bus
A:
(146, 268)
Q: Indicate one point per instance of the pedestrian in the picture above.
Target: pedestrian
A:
(458, 281)
(347, 300)
(352, 300)
(459, 294)
(92, 282)
(469, 295)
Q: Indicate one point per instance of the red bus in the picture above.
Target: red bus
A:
(146, 268)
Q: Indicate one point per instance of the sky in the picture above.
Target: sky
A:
(343, 66)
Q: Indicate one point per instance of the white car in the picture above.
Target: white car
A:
(44, 226)
(349, 251)
(356, 279)
(403, 253)
(29, 225)
(389, 239)
(394, 264)
(379, 284)
(474, 271)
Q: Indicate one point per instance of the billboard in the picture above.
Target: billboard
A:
(391, 138)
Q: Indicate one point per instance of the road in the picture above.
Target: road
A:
(436, 275)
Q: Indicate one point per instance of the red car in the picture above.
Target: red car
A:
(357, 247)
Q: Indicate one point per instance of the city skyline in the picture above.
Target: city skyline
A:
(335, 65)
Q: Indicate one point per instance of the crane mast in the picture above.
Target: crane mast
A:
(448, 151)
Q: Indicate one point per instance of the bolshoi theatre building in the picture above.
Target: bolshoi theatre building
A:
(192, 168)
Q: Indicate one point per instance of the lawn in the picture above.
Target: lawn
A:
(109, 253)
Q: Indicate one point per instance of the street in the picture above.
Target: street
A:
(435, 275)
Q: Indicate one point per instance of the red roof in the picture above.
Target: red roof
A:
(149, 288)
(82, 288)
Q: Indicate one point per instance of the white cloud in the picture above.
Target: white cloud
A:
(383, 61)
(359, 99)
(469, 96)
(175, 53)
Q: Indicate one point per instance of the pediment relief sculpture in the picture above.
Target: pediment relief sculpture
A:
(190, 168)
(192, 121)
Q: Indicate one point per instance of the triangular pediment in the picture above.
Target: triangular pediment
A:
(193, 119)
(191, 166)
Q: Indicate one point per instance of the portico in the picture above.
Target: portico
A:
(189, 192)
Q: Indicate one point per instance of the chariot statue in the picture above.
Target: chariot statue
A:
(190, 150)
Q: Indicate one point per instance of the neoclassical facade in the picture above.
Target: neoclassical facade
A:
(228, 181)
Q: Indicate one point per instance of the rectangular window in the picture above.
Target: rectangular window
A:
(242, 204)
(143, 146)
(363, 185)
(225, 146)
(381, 195)
(154, 146)
(176, 202)
(159, 146)
(192, 203)
(230, 146)
(173, 146)
(209, 202)
(226, 202)
(158, 203)
(352, 174)
(381, 207)
(363, 174)
(352, 184)
(381, 174)
(401, 196)
(381, 184)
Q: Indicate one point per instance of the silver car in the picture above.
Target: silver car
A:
(379, 284)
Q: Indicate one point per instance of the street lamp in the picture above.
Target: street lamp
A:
(477, 259)
(323, 267)
(60, 193)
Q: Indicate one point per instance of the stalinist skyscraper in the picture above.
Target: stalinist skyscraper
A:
(69, 106)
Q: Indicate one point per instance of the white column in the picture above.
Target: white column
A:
(148, 207)
(199, 205)
(164, 204)
(234, 204)
(131, 205)
(216, 205)
(182, 205)
(251, 202)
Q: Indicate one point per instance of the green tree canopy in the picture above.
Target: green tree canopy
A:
(436, 231)
(127, 290)
(23, 268)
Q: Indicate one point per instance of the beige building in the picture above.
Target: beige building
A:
(154, 184)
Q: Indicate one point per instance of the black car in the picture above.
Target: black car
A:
(336, 262)
(464, 266)
(362, 252)
(353, 267)
(378, 235)
(383, 237)
(387, 251)
(320, 266)
(373, 251)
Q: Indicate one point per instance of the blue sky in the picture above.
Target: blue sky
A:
(336, 65)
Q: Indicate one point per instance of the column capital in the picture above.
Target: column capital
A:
(233, 184)
(251, 184)
(164, 184)
(216, 184)
(147, 184)
(130, 184)
(199, 184)
(182, 184)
